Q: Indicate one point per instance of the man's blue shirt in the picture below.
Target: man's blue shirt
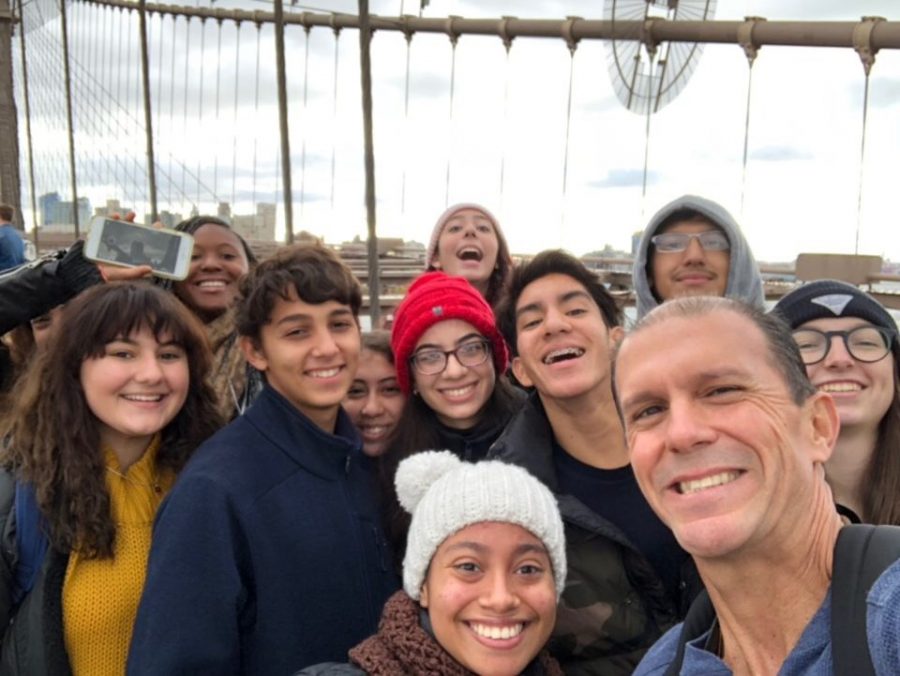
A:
(12, 247)
(812, 654)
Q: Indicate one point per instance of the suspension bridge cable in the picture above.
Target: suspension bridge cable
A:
(256, 110)
(200, 103)
(237, 79)
(304, 126)
(862, 161)
(334, 108)
(218, 90)
(453, 41)
(565, 173)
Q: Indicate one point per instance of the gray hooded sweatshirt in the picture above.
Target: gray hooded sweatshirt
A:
(744, 280)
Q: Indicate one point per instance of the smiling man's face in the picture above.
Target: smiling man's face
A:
(720, 449)
(692, 272)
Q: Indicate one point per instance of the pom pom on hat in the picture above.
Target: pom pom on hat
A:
(432, 298)
(828, 299)
(416, 474)
(447, 494)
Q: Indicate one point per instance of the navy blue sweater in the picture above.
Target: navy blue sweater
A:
(267, 555)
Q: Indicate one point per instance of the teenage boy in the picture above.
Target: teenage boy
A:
(268, 554)
(694, 247)
(628, 579)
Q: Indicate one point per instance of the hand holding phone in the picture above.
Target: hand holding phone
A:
(119, 243)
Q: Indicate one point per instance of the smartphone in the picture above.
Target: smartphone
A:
(113, 242)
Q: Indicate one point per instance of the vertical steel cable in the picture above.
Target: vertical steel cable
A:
(216, 126)
(237, 80)
(256, 111)
(862, 162)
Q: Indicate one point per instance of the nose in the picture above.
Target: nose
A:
(499, 594)
(209, 261)
(324, 346)
(694, 251)
(149, 369)
(372, 406)
(837, 355)
(556, 321)
(687, 428)
(454, 368)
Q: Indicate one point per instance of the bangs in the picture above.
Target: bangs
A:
(114, 311)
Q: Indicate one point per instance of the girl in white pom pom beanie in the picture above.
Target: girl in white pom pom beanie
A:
(485, 565)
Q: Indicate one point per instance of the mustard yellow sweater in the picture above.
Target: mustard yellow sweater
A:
(100, 596)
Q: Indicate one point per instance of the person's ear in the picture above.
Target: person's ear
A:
(520, 373)
(423, 596)
(616, 336)
(253, 353)
(825, 425)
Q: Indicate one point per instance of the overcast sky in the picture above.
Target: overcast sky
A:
(509, 111)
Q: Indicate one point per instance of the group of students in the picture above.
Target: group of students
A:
(285, 535)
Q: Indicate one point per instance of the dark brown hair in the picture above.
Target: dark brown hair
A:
(379, 341)
(553, 262)
(881, 497)
(6, 212)
(55, 437)
(313, 271)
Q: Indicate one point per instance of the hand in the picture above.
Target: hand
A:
(118, 273)
(129, 217)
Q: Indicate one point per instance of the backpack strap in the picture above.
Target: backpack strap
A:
(861, 554)
(697, 622)
(31, 543)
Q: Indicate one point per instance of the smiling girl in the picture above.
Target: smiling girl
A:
(485, 565)
(220, 259)
(108, 416)
(849, 344)
(467, 242)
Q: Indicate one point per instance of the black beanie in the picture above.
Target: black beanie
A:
(829, 298)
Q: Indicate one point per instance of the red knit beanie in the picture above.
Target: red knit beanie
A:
(432, 298)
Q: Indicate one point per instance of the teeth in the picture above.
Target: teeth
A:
(143, 397)
(325, 373)
(564, 353)
(470, 253)
(374, 430)
(459, 391)
(498, 633)
(687, 487)
(840, 387)
(211, 283)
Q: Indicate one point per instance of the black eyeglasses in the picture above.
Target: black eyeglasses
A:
(430, 361)
(865, 343)
(676, 242)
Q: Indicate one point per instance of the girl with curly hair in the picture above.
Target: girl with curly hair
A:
(104, 421)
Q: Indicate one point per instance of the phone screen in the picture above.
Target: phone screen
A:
(123, 243)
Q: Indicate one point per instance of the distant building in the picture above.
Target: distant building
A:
(56, 211)
(224, 211)
(168, 219)
(256, 227)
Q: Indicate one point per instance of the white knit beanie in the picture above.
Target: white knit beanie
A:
(432, 251)
(445, 494)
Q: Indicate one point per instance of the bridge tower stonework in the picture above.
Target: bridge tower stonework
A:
(10, 186)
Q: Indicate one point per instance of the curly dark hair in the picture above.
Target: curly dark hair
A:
(54, 435)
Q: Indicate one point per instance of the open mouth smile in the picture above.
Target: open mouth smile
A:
(704, 483)
(497, 633)
(563, 354)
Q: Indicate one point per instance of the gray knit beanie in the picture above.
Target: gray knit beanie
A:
(445, 494)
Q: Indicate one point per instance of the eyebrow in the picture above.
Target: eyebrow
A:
(564, 298)
(698, 379)
(459, 341)
(524, 548)
(301, 316)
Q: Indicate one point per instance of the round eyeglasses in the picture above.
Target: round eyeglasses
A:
(430, 361)
(866, 344)
(676, 242)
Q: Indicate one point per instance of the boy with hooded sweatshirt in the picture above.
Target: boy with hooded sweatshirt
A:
(694, 247)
